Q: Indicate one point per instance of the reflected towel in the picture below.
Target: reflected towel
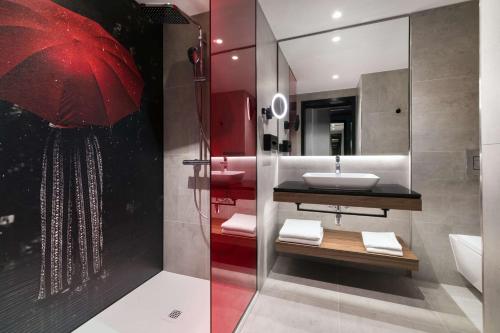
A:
(310, 230)
(238, 233)
(384, 251)
(242, 223)
(303, 241)
(381, 241)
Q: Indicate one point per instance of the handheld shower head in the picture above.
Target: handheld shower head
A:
(194, 55)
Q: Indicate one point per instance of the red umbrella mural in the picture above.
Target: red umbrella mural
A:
(68, 70)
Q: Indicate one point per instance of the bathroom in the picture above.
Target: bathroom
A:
(249, 166)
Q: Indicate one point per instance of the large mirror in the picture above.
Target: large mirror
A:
(348, 91)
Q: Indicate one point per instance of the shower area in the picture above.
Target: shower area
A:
(209, 276)
(101, 102)
(209, 163)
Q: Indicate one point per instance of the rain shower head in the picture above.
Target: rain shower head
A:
(167, 14)
(171, 14)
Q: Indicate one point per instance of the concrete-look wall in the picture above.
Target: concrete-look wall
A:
(187, 236)
(381, 130)
(490, 139)
(445, 124)
(267, 162)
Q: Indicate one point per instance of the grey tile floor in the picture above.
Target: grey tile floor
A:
(303, 296)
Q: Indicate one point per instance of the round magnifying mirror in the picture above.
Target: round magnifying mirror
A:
(279, 106)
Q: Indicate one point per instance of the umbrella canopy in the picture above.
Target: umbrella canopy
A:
(64, 67)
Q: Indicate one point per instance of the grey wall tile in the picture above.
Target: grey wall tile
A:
(187, 249)
(443, 166)
(445, 42)
(445, 124)
(431, 245)
(178, 38)
(179, 191)
(383, 131)
(186, 235)
(181, 130)
(445, 115)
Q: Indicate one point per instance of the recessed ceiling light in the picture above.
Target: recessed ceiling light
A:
(335, 77)
(337, 14)
(336, 39)
(235, 57)
(218, 41)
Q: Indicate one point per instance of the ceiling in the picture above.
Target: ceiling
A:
(289, 18)
(190, 7)
(365, 49)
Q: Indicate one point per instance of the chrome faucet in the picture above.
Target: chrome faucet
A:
(337, 164)
(224, 164)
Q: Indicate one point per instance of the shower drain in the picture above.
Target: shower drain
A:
(175, 314)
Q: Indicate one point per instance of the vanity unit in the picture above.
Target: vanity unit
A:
(344, 245)
(353, 107)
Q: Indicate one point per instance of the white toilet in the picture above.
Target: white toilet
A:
(468, 252)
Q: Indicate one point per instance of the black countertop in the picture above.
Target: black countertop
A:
(382, 190)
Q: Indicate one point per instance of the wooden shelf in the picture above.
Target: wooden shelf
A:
(348, 247)
(382, 196)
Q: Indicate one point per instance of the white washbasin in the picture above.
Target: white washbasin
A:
(346, 181)
(227, 177)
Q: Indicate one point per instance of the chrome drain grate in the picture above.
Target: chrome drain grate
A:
(175, 314)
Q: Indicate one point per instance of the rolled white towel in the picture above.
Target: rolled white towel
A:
(381, 240)
(385, 251)
(303, 241)
(310, 230)
(241, 223)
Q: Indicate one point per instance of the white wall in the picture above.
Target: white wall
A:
(267, 162)
(490, 139)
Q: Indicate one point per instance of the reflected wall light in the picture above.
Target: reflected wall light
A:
(279, 106)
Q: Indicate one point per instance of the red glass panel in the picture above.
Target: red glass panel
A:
(234, 168)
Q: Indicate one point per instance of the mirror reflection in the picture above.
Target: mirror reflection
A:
(348, 91)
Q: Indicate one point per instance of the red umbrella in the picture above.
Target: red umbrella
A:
(64, 67)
